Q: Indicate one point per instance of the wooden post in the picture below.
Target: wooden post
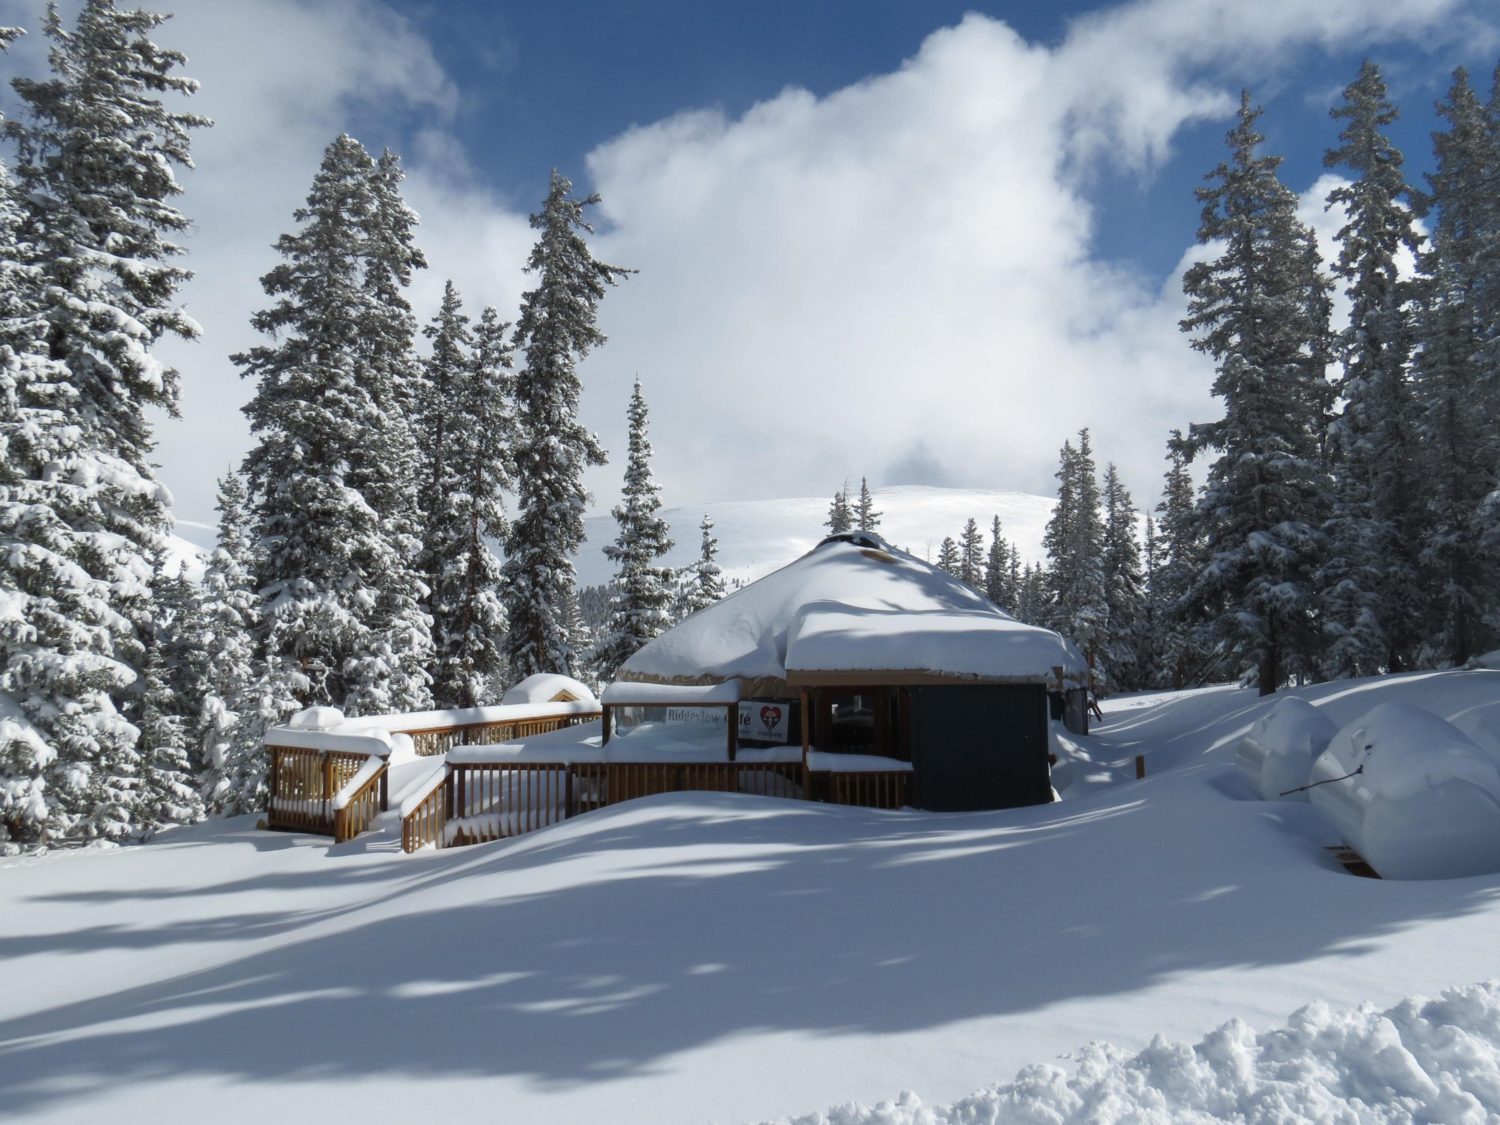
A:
(1140, 766)
(327, 784)
(604, 741)
(732, 714)
(806, 745)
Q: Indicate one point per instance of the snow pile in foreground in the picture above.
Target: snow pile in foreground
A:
(1423, 1060)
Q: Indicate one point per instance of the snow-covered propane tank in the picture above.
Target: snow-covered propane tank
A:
(1411, 794)
(1278, 753)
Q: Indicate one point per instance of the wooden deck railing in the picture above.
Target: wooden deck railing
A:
(432, 741)
(870, 789)
(356, 805)
(302, 786)
(424, 821)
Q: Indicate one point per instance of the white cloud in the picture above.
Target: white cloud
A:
(898, 274)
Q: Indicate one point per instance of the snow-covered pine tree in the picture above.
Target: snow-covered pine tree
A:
(1260, 308)
(640, 608)
(394, 667)
(1033, 604)
(866, 518)
(1373, 610)
(840, 515)
(175, 682)
(948, 559)
(997, 570)
(1074, 541)
(704, 580)
(556, 329)
(244, 696)
(1182, 648)
(1124, 587)
(81, 515)
(468, 426)
(971, 554)
(336, 572)
(1458, 379)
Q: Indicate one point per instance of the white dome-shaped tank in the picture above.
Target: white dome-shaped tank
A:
(1411, 794)
(1278, 752)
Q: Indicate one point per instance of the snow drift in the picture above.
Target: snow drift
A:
(1411, 794)
(1277, 754)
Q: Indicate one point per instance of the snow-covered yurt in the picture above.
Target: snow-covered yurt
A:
(876, 656)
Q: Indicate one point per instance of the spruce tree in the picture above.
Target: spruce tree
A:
(971, 554)
(324, 478)
(1260, 309)
(1074, 541)
(948, 560)
(640, 607)
(175, 683)
(244, 696)
(704, 583)
(1124, 587)
(866, 518)
(1372, 603)
(90, 286)
(1181, 619)
(556, 329)
(1458, 375)
(840, 514)
(467, 417)
(997, 570)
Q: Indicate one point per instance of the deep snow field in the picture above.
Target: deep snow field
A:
(709, 957)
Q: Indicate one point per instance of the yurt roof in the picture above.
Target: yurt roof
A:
(853, 610)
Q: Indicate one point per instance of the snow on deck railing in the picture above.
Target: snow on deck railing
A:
(371, 743)
(411, 799)
(629, 693)
(411, 722)
(363, 776)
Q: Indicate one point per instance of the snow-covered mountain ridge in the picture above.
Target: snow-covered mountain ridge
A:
(758, 536)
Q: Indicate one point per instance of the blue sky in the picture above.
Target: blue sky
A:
(913, 240)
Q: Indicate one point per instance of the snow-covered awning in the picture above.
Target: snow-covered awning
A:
(853, 609)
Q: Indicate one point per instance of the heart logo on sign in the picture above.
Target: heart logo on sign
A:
(770, 717)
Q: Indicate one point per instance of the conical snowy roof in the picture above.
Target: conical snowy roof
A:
(853, 610)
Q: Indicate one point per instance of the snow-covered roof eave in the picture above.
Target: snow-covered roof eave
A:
(901, 677)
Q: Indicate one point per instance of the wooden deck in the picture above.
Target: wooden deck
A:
(339, 794)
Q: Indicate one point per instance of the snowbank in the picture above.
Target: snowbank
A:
(1411, 794)
(1277, 754)
(1422, 1060)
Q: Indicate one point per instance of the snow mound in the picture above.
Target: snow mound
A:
(544, 687)
(1422, 1060)
(317, 718)
(1277, 754)
(1411, 794)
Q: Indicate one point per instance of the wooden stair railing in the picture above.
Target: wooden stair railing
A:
(362, 798)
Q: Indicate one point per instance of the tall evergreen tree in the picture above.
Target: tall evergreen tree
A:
(331, 442)
(467, 415)
(866, 518)
(91, 289)
(244, 696)
(640, 608)
(704, 582)
(175, 682)
(1458, 376)
(1124, 586)
(1183, 649)
(948, 560)
(840, 515)
(997, 570)
(1260, 308)
(1074, 541)
(1372, 604)
(971, 554)
(556, 329)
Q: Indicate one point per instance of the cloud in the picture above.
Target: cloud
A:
(897, 278)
